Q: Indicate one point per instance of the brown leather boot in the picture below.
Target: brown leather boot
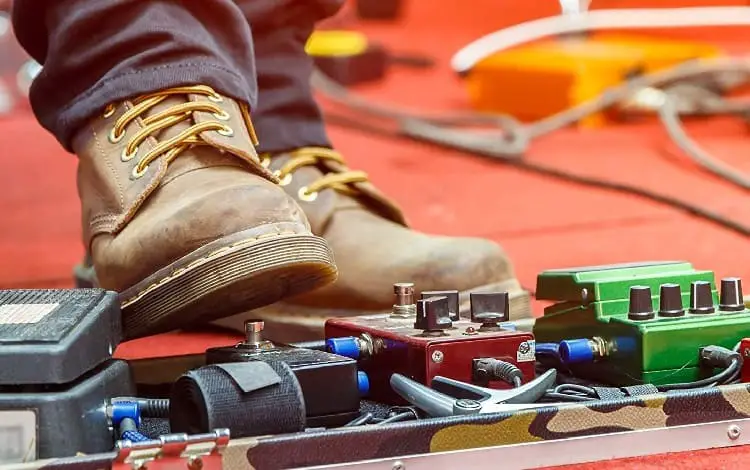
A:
(181, 218)
(374, 248)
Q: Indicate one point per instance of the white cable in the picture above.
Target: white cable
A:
(641, 18)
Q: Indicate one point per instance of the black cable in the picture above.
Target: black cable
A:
(562, 397)
(363, 419)
(708, 381)
(397, 418)
(563, 175)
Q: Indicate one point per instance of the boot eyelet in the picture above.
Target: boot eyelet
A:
(126, 157)
(222, 116)
(114, 138)
(109, 111)
(307, 196)
(215, 98)
(137, 174)
(286, 180)
(227, 131)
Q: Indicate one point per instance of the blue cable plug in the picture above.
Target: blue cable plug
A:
(346, 346)
(125, 409)
(576, 351)
(363, 383)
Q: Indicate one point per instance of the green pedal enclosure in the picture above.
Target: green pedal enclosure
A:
(640, 322)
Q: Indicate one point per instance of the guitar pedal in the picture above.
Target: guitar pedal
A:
(424, 338)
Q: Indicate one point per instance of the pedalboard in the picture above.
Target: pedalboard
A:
(421, 339)
(639, 323)
(56, 368)
(331, 384)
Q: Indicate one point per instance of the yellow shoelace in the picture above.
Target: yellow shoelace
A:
(311, 156)
(155, 123)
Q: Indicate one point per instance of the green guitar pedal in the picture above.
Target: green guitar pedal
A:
(630, 324)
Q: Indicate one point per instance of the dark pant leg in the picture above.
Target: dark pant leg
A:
(287, 116)
(95, 52)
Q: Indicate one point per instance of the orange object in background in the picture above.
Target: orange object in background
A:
(540, 79)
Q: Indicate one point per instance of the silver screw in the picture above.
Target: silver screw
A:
(399, 465)
(437, 356)
(734, 432)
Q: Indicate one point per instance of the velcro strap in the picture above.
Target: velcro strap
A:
(608, 393)
(643, 389)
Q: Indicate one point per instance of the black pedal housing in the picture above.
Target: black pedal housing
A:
(56, 364)
(328, 381)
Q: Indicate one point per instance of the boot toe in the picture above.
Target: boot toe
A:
(175, 222)
(458, 264)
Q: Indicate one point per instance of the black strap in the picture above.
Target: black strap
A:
(608, 393)
(250, 398)
(643, 389)
(612, 393)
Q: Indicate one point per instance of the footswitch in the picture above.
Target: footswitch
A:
(425, 338)
(331, 384)
(56, 369)
(639, 323)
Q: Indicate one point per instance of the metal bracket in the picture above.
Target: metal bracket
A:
(171, 451)
(576, 450)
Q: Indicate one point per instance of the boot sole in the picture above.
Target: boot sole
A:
(286, 322)
(227, 276)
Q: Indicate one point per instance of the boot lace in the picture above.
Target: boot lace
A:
(167, 118)
(312, 156)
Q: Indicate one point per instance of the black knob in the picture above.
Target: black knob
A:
(452, 296)
(640, 307)
(433, 314)
(701, 298)
(670, 301)
(731, 299)
(489, 309)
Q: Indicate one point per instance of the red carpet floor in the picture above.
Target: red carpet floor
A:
(543, 223)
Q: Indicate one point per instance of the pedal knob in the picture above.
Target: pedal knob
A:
(452, 296)
(490, 309)
(701, 298)
(640, 307)
(433, 315)
(731, 299)
(670, 301)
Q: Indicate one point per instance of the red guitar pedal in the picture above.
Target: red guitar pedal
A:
(745, 352)
(427, 338)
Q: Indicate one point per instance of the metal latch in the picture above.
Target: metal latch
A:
(173, 451)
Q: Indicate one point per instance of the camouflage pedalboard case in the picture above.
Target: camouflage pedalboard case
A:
(439, 437)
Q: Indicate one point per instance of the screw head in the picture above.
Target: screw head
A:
(467, 404)
(734, 432)
(437, 356)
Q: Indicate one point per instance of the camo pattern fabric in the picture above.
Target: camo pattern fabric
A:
(467, 432)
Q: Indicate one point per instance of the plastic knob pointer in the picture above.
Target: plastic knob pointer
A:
(347, 347)
(640, 307)
(731, 299)
(670, 301)
(701, 298)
